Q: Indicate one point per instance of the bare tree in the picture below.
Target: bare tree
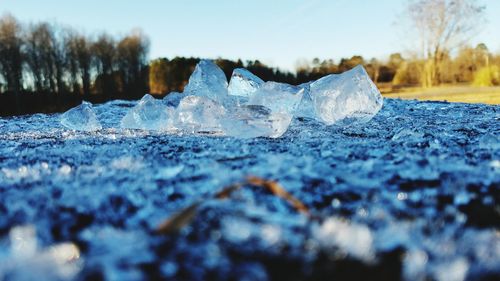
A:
(45, 57)
(11, 57)
(39, 57)
(132, 54)
(79, 57)
(442, 26)
(104, 50)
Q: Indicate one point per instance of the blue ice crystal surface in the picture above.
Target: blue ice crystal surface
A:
(413, 194)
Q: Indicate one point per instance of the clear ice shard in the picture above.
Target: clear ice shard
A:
(197, 114)
(346, 98)
(208, 81)
(306, 106)
(23, 241)
(149, 114)
(251, 121)
(247, 107)
(243, 83)
(279, 97)
(173, 99)
(81, 118)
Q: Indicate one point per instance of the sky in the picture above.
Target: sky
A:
(280, 33)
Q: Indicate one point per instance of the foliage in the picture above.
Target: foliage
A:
(487, 76)
(442, 25)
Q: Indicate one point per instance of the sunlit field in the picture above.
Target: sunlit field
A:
(466, 94)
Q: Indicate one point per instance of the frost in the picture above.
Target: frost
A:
(489, 141)
(27, 262)
(81, 118)
(237, 230)
(455, 270)
(169, 172)
(23, 241)
(414, 265)
(354, 239)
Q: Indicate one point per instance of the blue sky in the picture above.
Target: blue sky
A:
(278, 32)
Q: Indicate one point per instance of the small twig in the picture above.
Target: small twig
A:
(276, 189)
(186, 215)
(226, 192)
(177, 221)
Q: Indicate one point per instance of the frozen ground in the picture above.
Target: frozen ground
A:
(414, 194)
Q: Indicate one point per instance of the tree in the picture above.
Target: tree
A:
(409, 73)
(79, 55)
(228, 66)
(373, 69)
(158, 76)
(104, 54)
(487, 76)
(11, 57)
(442, 25)
(346, 64)
(132, 54)
(45, 57)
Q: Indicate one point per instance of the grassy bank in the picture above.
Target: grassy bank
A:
(467, 94)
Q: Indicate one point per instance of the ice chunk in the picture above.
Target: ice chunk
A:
(279, 97)
(207, 80)
(237, 230)
(66, 259)
(352, 238)
(252, 121)
(306, 105)
(81, 118)
(350, 96)
(169, 172)
(455, 270)
(414, 263)
(149, 114)
(243, 83)
(197, 114)
(173, 99)
(57, 262)
(23, 241)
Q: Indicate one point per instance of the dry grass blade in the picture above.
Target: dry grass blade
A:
(226, 192)
(276, 189)
(184, 217)
(178, 220)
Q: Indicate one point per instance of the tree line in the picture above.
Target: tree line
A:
(471, 65)
(45, 66)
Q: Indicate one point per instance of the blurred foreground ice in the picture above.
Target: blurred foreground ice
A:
(247, 107)
(26, 261)
(413, 196)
